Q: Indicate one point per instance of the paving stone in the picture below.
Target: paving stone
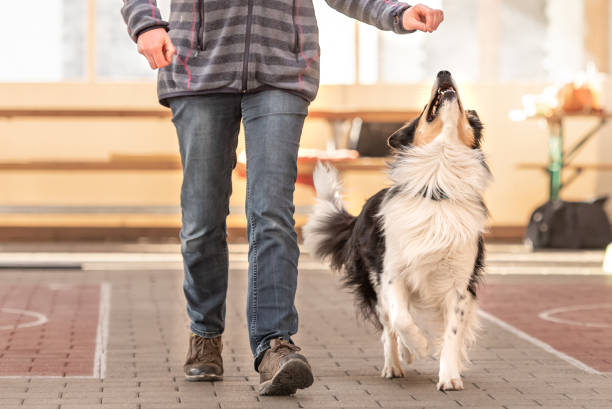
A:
(37, 406)
(148, 342)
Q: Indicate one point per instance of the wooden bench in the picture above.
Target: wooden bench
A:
(40, 226)
(606, 167)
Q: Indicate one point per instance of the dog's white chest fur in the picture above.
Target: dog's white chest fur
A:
(431, 243)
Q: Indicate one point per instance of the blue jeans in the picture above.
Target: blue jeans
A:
(207, 128)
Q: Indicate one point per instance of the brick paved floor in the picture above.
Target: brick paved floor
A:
(63, 346)
(148, 339)
(579, 319)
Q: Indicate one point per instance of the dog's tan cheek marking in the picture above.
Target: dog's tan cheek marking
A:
(466, 133)
(427, 132)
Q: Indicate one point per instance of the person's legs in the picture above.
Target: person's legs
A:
(207, 128)
(273, 123)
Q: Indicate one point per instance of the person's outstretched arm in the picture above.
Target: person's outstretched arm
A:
(149, 31)
(391, 15)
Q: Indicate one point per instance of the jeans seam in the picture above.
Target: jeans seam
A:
(254, 277)
(225, 247)
(253, 244)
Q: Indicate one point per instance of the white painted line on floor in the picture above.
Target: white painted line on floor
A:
(88, 257)
(99, 370)
(492, 268)
(40, 318)
(548, 315)
(148, 266)
(47, 377)
(538, 343)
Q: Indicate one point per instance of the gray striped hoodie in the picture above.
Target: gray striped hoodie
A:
(242, 46)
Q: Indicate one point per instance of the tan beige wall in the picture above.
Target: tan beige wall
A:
(511, 198)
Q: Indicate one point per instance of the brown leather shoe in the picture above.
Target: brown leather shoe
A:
(282, 371)
(204, 362)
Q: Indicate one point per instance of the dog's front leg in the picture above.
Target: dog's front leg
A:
(458, 307)
(395, 293)
(393, 366)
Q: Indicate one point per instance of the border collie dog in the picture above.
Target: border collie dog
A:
(416, 247)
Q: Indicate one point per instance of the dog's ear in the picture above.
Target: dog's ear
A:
(477, 127)
(473, 113)
(403, 137)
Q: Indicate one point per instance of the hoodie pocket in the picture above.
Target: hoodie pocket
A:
(201, 27)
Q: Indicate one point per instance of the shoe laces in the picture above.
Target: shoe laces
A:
(283, 347)
(205, 348)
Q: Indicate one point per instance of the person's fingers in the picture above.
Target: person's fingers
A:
(147, 52)
(427, 18)
(418, 25)
(431, 20)
(160, 61)
(415, 19)
(435, 20)
(439, 19)
(150, 59)
(423, 18)
(421, 14)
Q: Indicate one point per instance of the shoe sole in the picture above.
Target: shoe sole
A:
(293, 375)
(204, 378)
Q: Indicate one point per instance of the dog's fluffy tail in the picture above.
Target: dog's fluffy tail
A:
(329, 227)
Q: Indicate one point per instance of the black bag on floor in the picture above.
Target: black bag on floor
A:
(569, 225)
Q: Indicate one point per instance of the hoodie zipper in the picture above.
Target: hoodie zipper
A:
(296, 30)
(247, 46)
(201, 25)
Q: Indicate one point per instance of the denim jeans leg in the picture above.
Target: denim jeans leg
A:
(207, 128)
(273, 123)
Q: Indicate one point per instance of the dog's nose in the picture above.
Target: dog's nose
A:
(444, 74)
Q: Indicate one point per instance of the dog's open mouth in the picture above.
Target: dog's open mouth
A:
(445, 92)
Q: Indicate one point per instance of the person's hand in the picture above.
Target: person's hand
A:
(422, 18)
(157, 47)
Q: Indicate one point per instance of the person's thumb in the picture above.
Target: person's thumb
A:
(170, 50)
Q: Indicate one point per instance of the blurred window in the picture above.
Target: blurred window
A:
(337, 41)
(116, 56)
(480, 40)
(43, 40)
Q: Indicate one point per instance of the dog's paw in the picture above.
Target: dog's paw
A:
(418, 346)
(406, 354)
(454, 384)
(421, 346)
(392, 371)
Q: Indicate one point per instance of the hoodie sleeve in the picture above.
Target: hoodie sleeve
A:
(384, 14)
(141, 16)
